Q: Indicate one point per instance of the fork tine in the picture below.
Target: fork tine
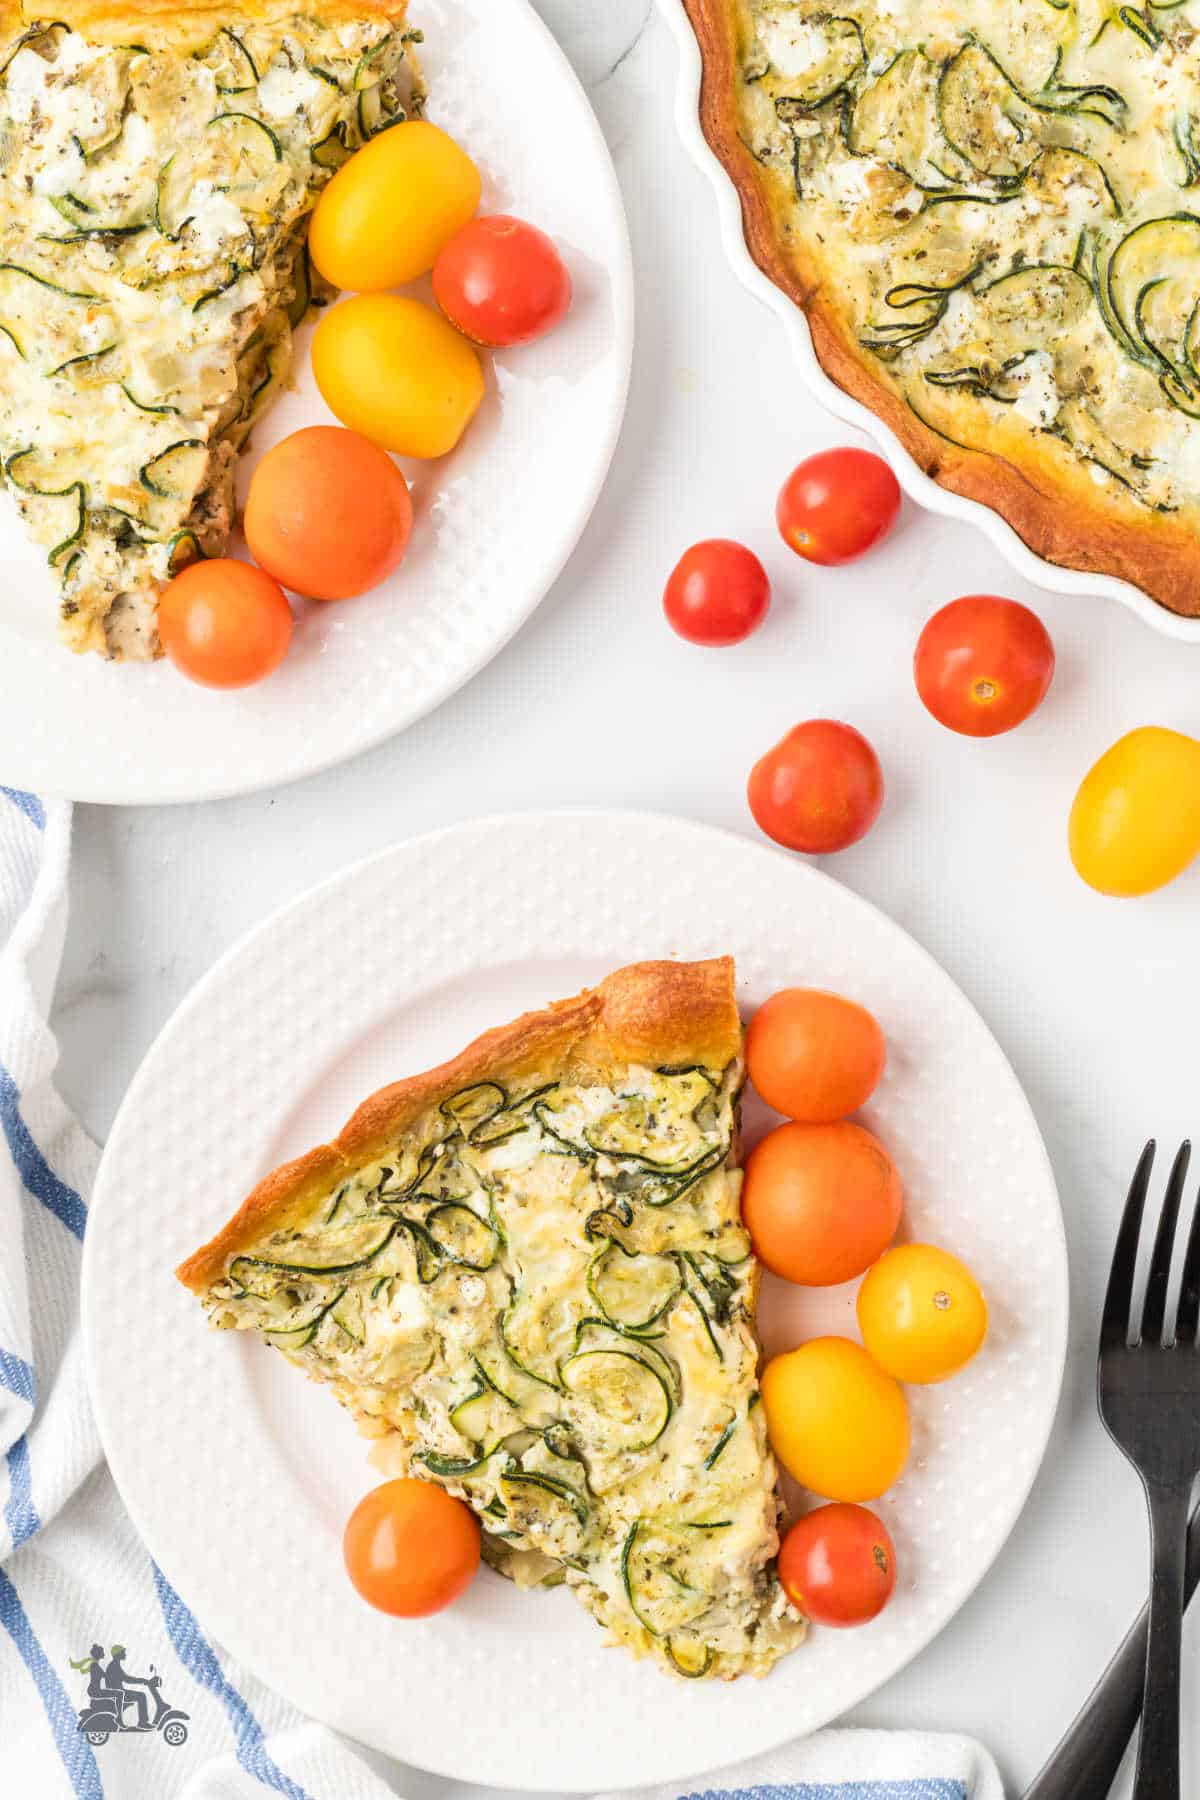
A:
(1155, 1310)
(1188, 1319)
(1118, 1301)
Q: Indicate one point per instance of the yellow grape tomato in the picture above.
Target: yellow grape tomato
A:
(1135, 823)
(388, 211)
(921, 1313)
(393, 369)
(836, 1421)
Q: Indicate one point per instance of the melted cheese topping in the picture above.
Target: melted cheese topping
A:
(153, 208)
(546, 1301)
(1005, 197)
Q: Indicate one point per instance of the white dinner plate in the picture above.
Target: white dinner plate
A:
(495, 521)
(912, 477)
(240, 1475)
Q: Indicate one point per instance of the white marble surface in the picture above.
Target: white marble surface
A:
(596, 703)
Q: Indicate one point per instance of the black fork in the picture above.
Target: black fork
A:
(1149, 1393)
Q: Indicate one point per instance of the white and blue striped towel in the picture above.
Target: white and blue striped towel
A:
(73, 1574)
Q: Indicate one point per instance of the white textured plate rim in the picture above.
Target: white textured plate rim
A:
(432, 1758)
(161, 789)
(913, 479)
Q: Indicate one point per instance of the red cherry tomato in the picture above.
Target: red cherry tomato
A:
(819, 789)
(983, 664)
(838, 1565)
(224, 624)
(717, 593)
(502, 282)
(837, 505)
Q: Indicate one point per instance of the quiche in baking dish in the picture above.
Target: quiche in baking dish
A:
(158, 163)
(991, 216)
(525, 1274)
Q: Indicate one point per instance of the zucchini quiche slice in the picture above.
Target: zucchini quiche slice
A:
(158, 163)
(991, 217)
(525, 1274)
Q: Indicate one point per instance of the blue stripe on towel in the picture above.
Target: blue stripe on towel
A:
(29, 804)
(918, 1787)
(17, 1375)
(72, 1746)
(20, 1514)
(196, 1653)
(32, 1166)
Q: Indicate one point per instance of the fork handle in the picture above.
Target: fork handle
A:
(1157, 1776)
(1085, 1763)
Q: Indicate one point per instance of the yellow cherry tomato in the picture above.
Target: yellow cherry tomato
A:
(921, 1313)
(396, 371)
(1135, 824)
(836, 1422)
(388, 211)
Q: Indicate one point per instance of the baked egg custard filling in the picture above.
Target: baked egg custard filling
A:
(542, 1296)
(989, 214)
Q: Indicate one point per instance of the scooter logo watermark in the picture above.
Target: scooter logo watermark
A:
(118, 1701)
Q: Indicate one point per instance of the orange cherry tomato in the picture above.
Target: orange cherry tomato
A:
(502, 282)
(411, 1548)
(838, 1565)
(837, 1423)
(821, 1202)
(983, 664)
(814, 1056)
(328, 513)
(224, 624)
(837, 505)
(818, 789)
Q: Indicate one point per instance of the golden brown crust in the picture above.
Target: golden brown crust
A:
(1043, 492)
(654, 1012)
(183, 24)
